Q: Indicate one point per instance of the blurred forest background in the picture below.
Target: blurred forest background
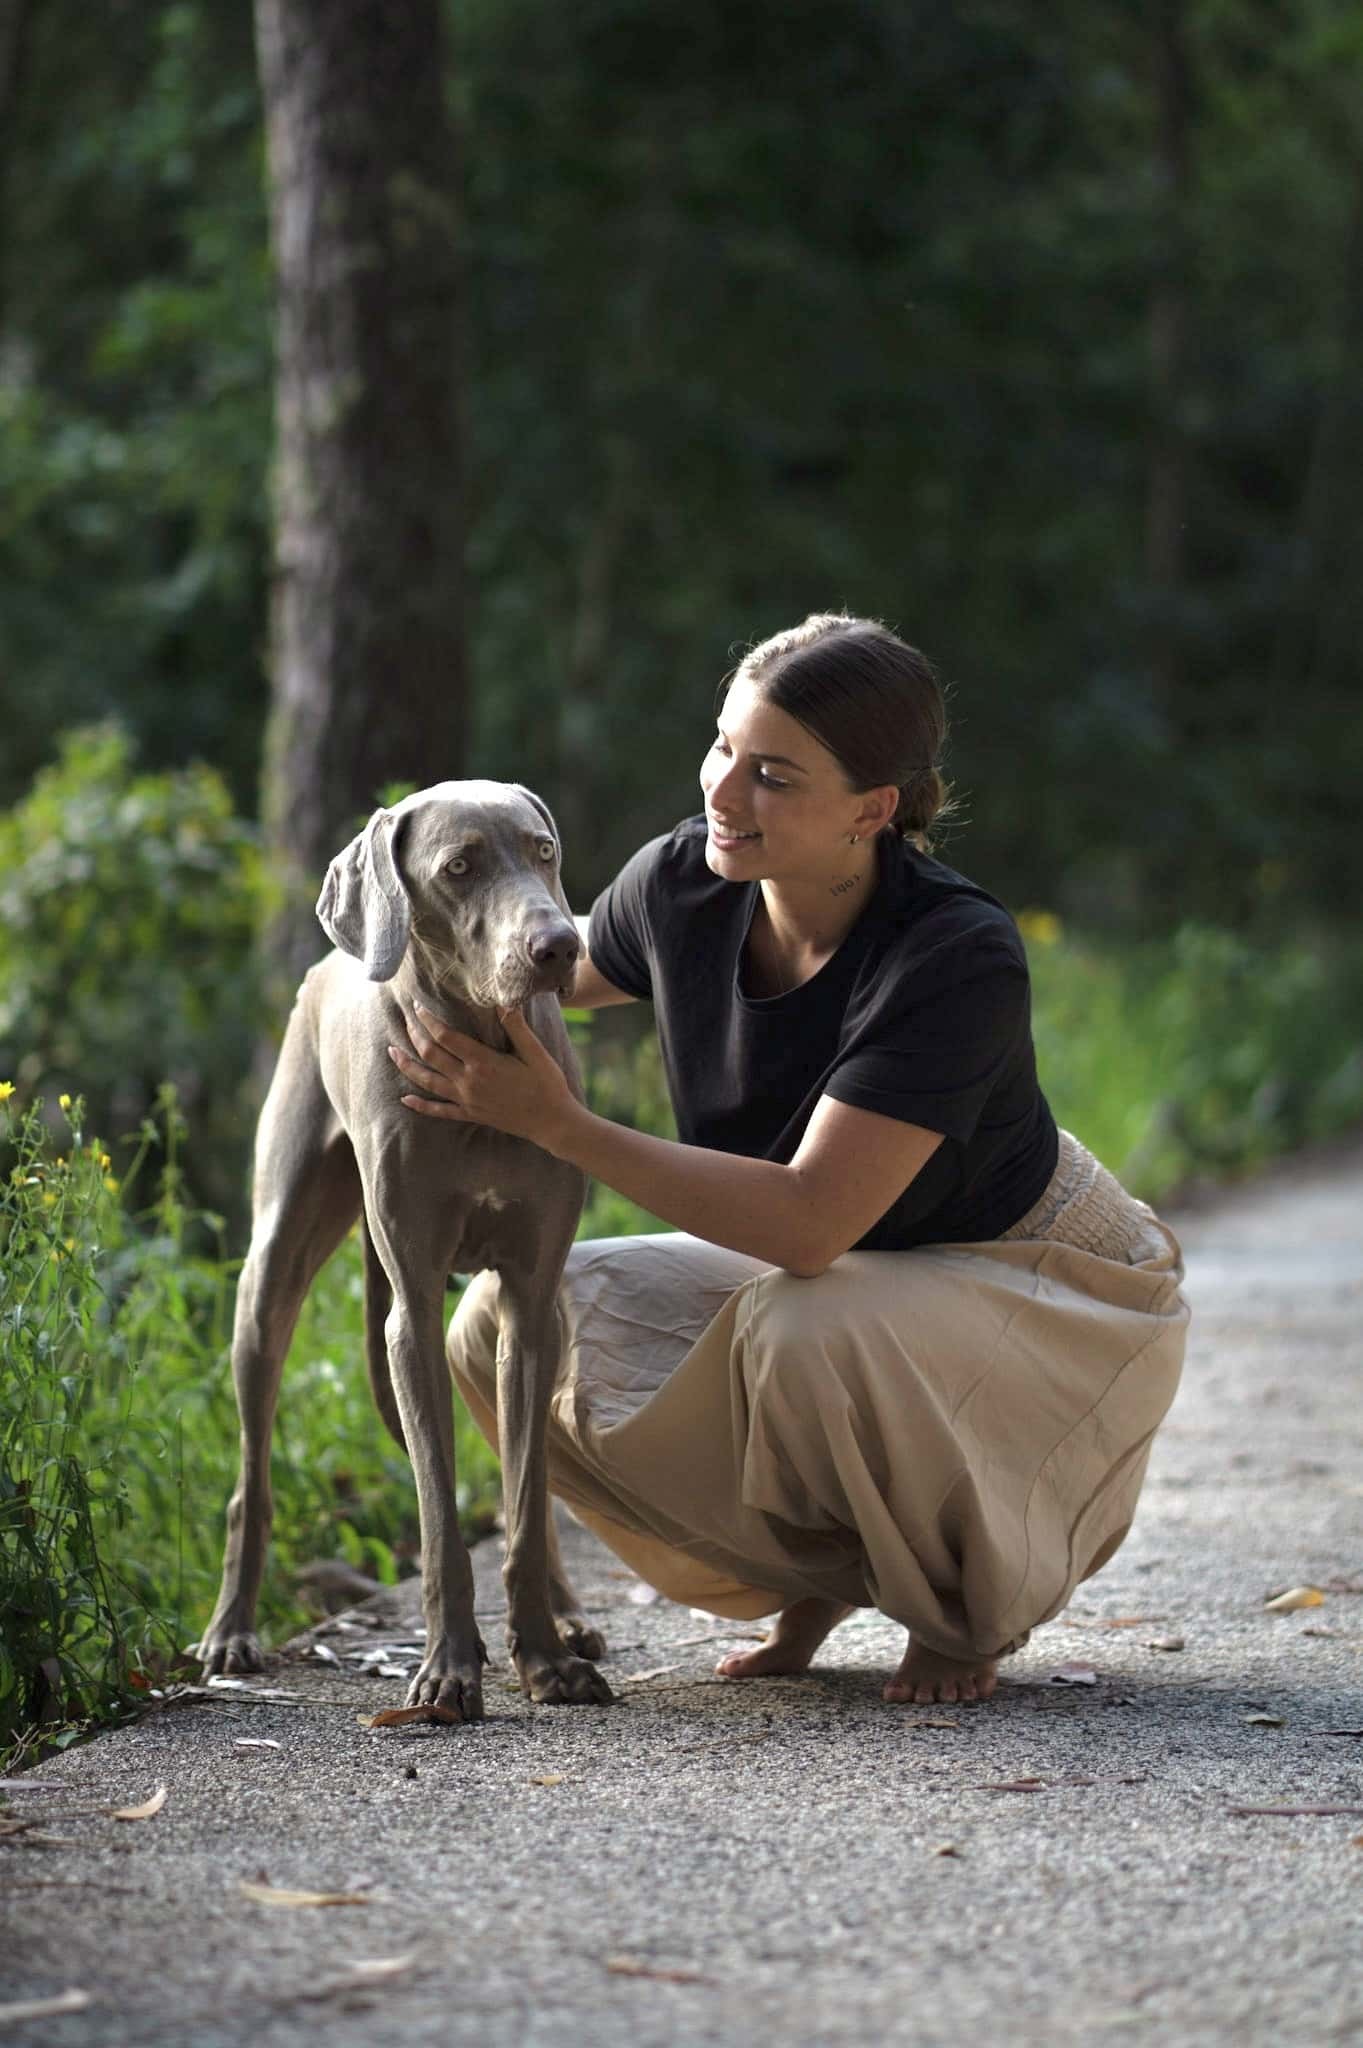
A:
(1036, 332)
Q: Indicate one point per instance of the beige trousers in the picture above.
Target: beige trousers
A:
(955, 1435)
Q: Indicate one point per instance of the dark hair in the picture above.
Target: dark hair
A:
(867, 696)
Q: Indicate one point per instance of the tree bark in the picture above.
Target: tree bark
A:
(367, 631)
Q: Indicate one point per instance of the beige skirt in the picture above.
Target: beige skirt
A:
(955, 1435)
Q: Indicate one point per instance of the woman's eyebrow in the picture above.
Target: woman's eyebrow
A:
(780, 760)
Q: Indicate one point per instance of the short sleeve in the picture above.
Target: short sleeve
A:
(619, 931)
(938, 1051)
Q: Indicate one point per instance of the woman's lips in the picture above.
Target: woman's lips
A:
(726, 838)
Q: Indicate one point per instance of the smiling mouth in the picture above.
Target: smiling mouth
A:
(723, 832)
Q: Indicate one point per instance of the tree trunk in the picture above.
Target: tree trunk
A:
(1166, 508)
(367, 631)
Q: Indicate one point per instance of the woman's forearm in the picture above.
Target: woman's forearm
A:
(748, 1205)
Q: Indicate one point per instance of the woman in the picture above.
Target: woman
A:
(908, 1345)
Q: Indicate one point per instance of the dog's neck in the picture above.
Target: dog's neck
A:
(432, 980)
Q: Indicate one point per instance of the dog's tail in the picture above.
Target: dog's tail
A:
(378, 1299)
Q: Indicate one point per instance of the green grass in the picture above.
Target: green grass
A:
(118, 1435)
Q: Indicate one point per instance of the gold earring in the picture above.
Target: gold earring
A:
(853, 840)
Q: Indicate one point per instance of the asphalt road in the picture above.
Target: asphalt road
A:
(792, 1860)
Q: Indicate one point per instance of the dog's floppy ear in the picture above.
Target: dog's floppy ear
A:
(542, 807)
(364, 907)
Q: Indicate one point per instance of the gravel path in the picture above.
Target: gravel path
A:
(791, 1860)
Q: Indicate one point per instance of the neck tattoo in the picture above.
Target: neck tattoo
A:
(841, 888)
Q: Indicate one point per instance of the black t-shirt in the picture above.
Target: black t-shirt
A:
(923, 1013)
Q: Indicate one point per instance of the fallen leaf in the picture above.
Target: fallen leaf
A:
(625, 1966)
(642, 1595)
(1296, 1597)
(1124, 1620)
(1166, 1643)
(256, 1742)
(323, 1654)
(145, 1810)
(402, 1717)
(260, 1692)
(1284, 1810)
(1073, 1674)
(932, 1724)
(641, 1677)
(1014, 1785)
(44, 2008)
(1263, 1721)
(944, 1849)
(357, 1976)
(721, 1635)
(551, 1778)
(1320, 1631)
(278, 1895)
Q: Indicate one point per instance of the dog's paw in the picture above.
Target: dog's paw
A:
(225, 1651)
(580, 1637)
(451, 1681)
(562, 1680)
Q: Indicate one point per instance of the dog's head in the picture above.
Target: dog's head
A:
(467, 873)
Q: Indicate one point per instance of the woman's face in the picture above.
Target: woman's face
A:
(777, 803)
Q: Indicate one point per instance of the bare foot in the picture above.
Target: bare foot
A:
(790, 1647)
(925, 1677)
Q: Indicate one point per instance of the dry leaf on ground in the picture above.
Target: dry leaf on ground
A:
(1295, 1598)
(640, 1677)
(550, 1778)
(256, 1742)
(625, 1966)
(1073, 1674)
(1166, 1643)
(323, 1654)
(280, 1895)
(44, 2008)
(402, 1717)
(932, 1724)
(145, 1810)
(358, 1976)
(943, 1849)
(1263, 1721)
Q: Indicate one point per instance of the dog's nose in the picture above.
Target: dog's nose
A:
(554, 949)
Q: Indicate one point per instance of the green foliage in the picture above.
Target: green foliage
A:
(118, 1437)
(128, 905)
(1200, 1056)
(767, 310)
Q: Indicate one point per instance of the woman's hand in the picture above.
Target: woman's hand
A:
(523, 1091)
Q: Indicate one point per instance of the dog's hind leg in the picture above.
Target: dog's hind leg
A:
(572, 1624)
(307, 1194)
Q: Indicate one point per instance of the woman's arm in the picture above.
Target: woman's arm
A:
(591, 990)
(851, 1164)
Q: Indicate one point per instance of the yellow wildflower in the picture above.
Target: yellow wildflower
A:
(6, 1090)
(111, 1184)
(65, 1101)
(1040, 927)
(49, 1200)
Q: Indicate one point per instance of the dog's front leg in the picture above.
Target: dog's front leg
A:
(527, 1364)
(451, 1672)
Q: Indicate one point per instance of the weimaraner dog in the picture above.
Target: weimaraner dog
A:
(453, 897)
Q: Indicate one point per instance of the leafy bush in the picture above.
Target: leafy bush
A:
(128, 907)
(118, 1433)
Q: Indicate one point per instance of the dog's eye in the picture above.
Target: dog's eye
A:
(458, 866)
(548, 850)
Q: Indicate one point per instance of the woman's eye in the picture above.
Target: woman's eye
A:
(548, 850)
(458, 866)
(771, 781)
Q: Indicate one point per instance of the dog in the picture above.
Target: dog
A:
(451, 897)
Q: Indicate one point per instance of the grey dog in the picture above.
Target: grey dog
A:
(453, 898)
